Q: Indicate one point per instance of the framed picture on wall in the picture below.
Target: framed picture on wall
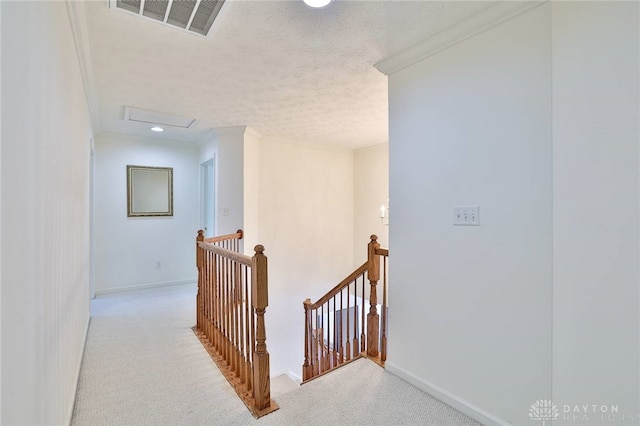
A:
(149, 191)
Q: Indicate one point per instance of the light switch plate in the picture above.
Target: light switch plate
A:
(466, 215)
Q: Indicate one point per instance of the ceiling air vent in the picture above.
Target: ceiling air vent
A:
(192, 15)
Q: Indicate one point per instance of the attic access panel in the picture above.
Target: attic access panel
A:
(195, 16)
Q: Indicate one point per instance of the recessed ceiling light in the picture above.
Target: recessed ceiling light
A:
(317, 3)
(157, 129)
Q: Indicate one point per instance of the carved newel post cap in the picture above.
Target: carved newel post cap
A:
(200, 233)
(374, 238)
(259, 249)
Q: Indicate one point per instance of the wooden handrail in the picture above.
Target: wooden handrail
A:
(336, 331)
(230, 307)
(337, 289)
(229, 254)
(236, 236)
(382, 251)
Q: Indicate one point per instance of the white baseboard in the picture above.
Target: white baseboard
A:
(294, 377)
(274, 374)
(77, 371)
(291, 375)
(143, 286)
(445, 396)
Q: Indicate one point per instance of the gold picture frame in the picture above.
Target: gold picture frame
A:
(149, 191)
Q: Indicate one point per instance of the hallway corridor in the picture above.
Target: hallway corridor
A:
(144, 366)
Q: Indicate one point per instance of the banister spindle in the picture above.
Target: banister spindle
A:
(373, 319)
(260, 300)
(230, 307)
(383, 334)
(199, 296)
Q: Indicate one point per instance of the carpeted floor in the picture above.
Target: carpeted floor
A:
(144, 366)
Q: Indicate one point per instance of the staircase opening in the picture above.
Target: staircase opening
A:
(348, 323)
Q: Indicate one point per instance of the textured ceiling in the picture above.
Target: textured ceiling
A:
(279, 67)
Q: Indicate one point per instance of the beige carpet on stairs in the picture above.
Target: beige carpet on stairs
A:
(144, 366)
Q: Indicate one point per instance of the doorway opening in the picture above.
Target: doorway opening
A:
(207, 210)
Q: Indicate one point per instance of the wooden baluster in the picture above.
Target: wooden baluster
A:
(362, 324)
(355, 319)
(383, 337)
(334, 347)
(223, 307)
(307, 368)
(315, 353)
(199, 296)
(206, 296)
(241, 324)
(320, 339)
(247, 330)
(233, 317)
(253, 330)
(203, 289)
(206, 314)
(321, 347)
(341, 327)
(230, 356)
(348, 337)
(261, 381)
(225, 311)
(237, 308)
(208, 303)
(229, 278)
(206, 281)
(212, 282)
(325, 341)
(217, 292)
(373, 319)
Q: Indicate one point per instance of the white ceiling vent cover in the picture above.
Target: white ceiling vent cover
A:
(152, 117)
(192, 15)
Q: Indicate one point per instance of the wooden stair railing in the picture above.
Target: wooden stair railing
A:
(230, 306)
(335, 329)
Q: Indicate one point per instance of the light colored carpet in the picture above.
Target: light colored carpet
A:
(144, 366)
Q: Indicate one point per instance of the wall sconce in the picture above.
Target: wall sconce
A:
(384, 214)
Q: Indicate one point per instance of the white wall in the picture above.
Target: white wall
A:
(127, 248)
(470, 311)
(0, 221)
(537, 121)
(251, 193)
(295, 199)
(370, 192)
(45, 214)
(306, 226)
(226, 146)
(596, 318)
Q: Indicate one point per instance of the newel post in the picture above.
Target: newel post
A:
(260, 301)
(307, 367)
(199, 301)
(373, 319)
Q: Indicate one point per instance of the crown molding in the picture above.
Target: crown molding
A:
(219, 132)
(250, 131)
(78, 20)
(482, 21)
